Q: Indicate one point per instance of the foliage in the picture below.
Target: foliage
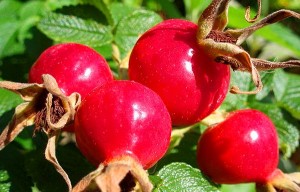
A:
(28, 27)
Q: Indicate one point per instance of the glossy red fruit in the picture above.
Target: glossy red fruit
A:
(76, 68)
(243, 148)
(168, 60)
(123, 118)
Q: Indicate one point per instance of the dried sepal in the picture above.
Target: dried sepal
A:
(242, 34)
(281, 182)
(46, 106)
(24, 113)
(224, 45)
(256, 17)
(120, 174)
(27, 91)
(219, 49)
(213, 18)
(69, 105)
(50, 155)
(24, 116)
(260, 64)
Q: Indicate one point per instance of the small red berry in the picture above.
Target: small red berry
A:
(123, 118)
(243, 148)
(168, 59)
(76, 68)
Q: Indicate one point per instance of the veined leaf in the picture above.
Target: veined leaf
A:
(8, 39)
(119, 11)
(287, 92)
(32, 9)
(15, 23)
(54, 4)
(65, 28)
(99, 4)
(8, 9)
(135, 24)
(236, 101)
(8, 101)
(244, 81)
(9, 25)
(181, 177)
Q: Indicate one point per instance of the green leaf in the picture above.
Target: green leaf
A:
(287, 92)
(267, 78)
(286, 126)
(194, 8)
(276, 33)
(184, 152)
(169, 8)
(119, 11)
(9, 25)
(244, 81)
(237, 101)
(44, 174)
(248, 187)
(8, 9)
(54, 4)
(99, 4)
(130, 27)
(8, 101)
(105, 50)
(64, 28)
(8, 36)
(182, 177)
(14, 28)
(4, 180)
(13, 176)
(32, 9)
(30, 14)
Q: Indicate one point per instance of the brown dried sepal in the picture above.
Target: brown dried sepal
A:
(121, 174)
(46, 106)
(281, 182)
(224, 45)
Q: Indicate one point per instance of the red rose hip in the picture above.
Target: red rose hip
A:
(168, 60)
(76, 68)
(242, 148)
(123, 118)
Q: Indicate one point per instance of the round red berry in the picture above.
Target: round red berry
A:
(168, 60)
(242, 148)
(123, 118)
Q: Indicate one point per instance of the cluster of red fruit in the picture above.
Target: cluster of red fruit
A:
(173, 82)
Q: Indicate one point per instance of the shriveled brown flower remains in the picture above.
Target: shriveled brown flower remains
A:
(56, 112)
(44, 106)
(122, 174)
(224, 44)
